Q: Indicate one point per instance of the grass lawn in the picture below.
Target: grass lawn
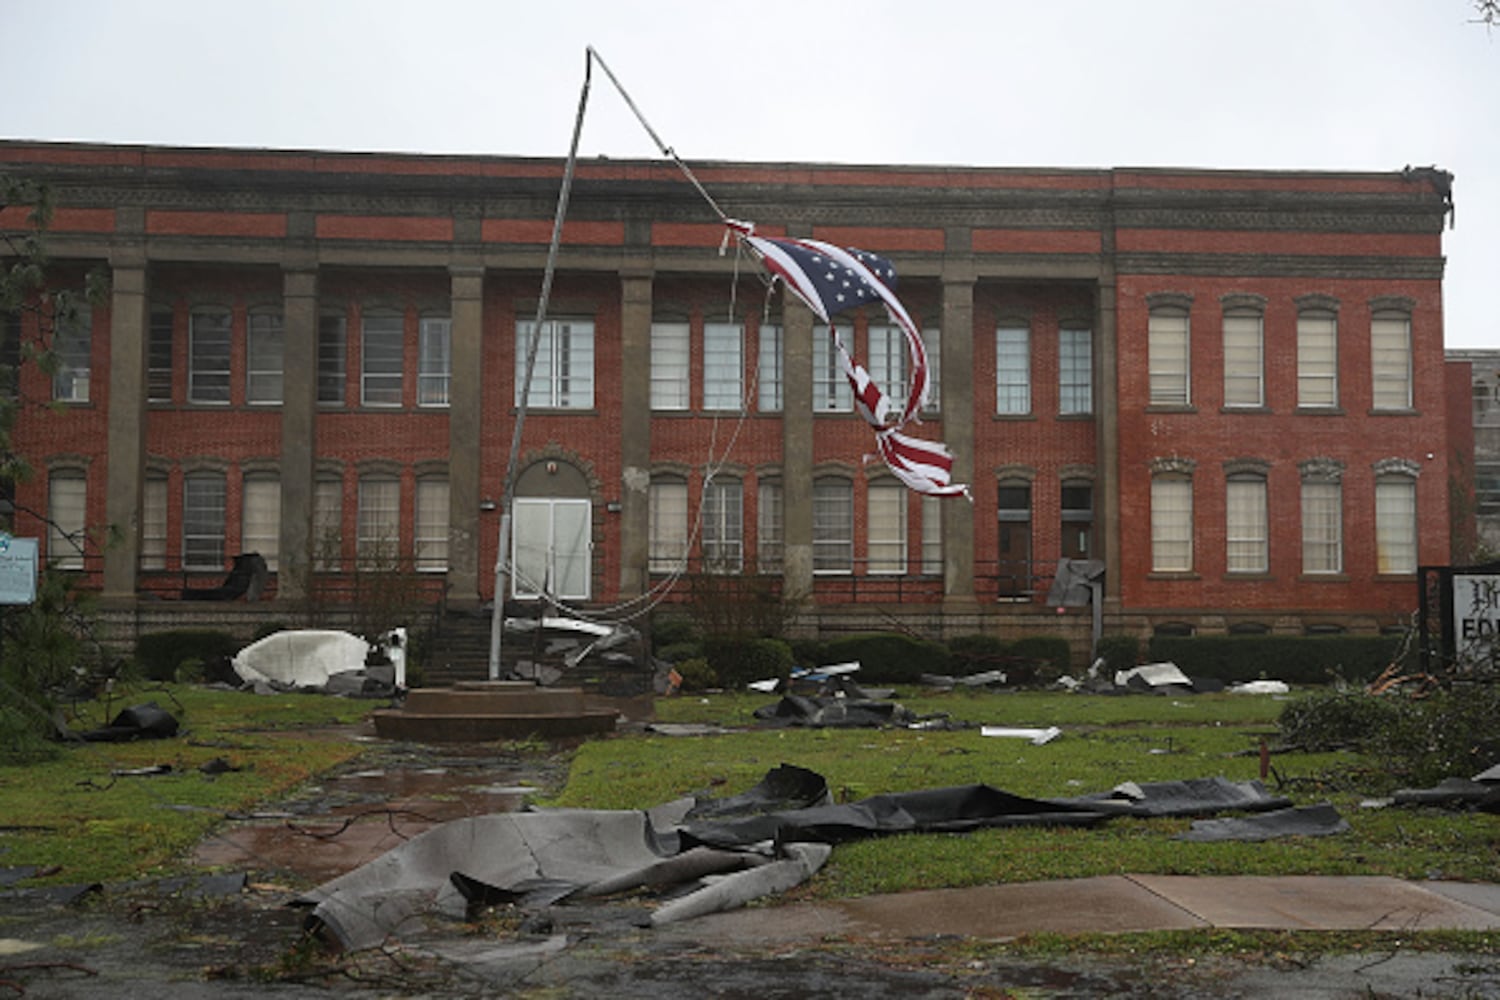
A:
(1105, 741)
(72, 812)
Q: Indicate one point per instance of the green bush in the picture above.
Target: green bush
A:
(737, 662)
(1120, 652)
(1332, 720)
(1292, 658)
(697, 675)
(889, 657)
(673, 630)
(161, 653)
(679, 651)
(975, 654)
(1051, 652)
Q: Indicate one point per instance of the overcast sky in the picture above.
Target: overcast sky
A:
(1287, 84)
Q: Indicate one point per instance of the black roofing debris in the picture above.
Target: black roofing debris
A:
(139, 722)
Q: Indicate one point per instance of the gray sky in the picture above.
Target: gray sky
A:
(1292, 84)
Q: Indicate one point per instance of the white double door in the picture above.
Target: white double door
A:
(551, 547)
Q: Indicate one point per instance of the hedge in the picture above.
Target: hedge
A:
(888, 658)
(738, 661)
(161, 653)
(1291, 658)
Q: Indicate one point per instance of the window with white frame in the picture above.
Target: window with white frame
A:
(1167, 357)
(208, 356)
(1322, 526)
(768, 378)
(327, 524)
(1247, 546)
(67, 511)
(1075, 371)
(768, 526)
(1244, 359)
(1012, 370)
(886, 528)
(264, 351)
(667, 537)
(831, 392)
(1171, 523)
(1395, 524)
(261, 512)
(380, 358)
(159, 356)
(153, 555)
(932, 343)
(378, 521)
(434, 360)
(833, 525)
(1077, 519)
(723, 525)
(72, 343)
(203, 520)
(723, 366)
(932, 536)
(888, 360)
(332, 359)
(1390, 360)
(563, 375)
(430, 525)
(670, 365)
(1317, 359)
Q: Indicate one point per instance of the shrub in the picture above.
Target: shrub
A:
(737, 662)
(161, 653)
(679, 651)
(673, 630)
(1119, 652)
(1292, 658)
(697, 675)
(974, 654)
(889, 657)
(1051, 653)
(1332, 720)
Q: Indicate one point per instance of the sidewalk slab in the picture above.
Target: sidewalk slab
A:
(1481, 895)
(1311, 902)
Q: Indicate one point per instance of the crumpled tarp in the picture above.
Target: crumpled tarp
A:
(1321, 820)
(139, 722)
(1072, 584)
(323, 660)
(1193, 797)
(802, 710)
(1481, 795)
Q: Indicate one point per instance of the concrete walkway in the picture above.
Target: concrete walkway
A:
(1120, 903)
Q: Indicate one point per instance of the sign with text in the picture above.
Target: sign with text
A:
(17, 570)
(1476, 614)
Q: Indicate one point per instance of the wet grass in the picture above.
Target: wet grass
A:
(74, 812)
(1105, 741)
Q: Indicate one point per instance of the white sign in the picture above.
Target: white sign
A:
(1476, 614)
(17, 570)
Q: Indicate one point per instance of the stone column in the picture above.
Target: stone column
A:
(130, 323)
(797, 447)
(635, 432)
(1107, 476)
(957, 371)
(299, 410)
(464, 391)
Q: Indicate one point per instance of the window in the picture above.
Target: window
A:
(380, 359)
(831, 392)
(1322, 527)
(1167, 357)
(1013, 510)
(1075, 371)
(768, 511)
(327, 523)
(1077, 520)
(1171, 524)
(203, 521)
(67, 498)
(723, 526)
(932, 536)
(723, 366)
(208, 356)
(434, 360)
(332, 364)
(768, 374)
(1012, 370)
(563, 377)
(888, 361)
(378, 522)
(669, 366)
(153, 553)
(1244, 359)
(1317, 359)
(668, 538)
(72, 342)
(264, 349)
(262, 517)
(833, 525)
(551, 547)
(1246, 525)
(886, 526)
(1396, 524)
(159, 356)
(1487, 487)
(932, 341)
(430, 544)
(1390, 361)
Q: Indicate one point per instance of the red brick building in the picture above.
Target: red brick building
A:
(1227, 386)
